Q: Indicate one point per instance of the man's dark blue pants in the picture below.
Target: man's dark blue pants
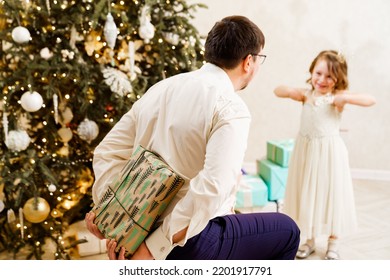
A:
(253, 236)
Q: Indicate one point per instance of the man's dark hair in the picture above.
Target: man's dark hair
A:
(231, 40)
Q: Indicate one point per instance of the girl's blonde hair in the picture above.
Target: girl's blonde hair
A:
(337, 66)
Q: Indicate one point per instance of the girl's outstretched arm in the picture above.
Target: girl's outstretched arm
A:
(347, 97)
(297, 94)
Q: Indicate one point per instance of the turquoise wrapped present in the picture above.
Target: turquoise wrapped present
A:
(279, 151)
(252, 192)
(275, 177)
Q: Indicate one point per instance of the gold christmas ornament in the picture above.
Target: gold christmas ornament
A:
(3, 22)
(66, 115)
(36, 210)
(85, 180)
(64, 151)
(65, 134)
(92, 43)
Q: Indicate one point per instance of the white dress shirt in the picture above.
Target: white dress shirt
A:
(199, 125)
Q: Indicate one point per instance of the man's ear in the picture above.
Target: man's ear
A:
(246, 63)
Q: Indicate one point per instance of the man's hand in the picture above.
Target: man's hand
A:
(142, 252)
(89, 217)
(112, 255)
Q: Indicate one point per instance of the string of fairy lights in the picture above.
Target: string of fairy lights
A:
(116, 44)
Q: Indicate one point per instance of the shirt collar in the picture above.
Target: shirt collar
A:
(221, 75)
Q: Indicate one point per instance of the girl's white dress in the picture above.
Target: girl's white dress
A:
(319, 192)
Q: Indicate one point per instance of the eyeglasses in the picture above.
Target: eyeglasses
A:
(262, 57)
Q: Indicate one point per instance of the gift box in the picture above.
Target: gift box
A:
(136, 199)
(252, 192)
(275, 177)
(279, 151)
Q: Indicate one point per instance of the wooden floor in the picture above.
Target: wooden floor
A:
(372, 240)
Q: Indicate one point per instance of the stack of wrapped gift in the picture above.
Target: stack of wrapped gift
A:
(280, 151)
(252, 194)
(274, 168)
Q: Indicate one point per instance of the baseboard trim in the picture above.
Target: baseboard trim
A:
(356, 173)
(370, 174)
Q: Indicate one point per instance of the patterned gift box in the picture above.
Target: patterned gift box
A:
(279, 151)
(275, 177)
(136, 199)
(252, 192)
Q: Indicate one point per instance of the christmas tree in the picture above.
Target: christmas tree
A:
(68, 71)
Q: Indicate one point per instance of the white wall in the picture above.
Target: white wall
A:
(295, 31)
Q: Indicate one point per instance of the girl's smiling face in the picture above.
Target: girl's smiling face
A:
(321, 79)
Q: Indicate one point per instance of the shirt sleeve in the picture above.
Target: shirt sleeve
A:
(211, 189)
(112, 153)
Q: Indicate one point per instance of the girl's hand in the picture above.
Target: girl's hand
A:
(112, 255)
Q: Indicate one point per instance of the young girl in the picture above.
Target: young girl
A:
(319, 192)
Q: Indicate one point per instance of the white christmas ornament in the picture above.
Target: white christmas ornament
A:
(171, 38)
(88, 130)
(52, 188)
(21, 35)
(18, 140)
(46, 53)
(146, 29)
(31, 101)
(110, 31)
(117, 80)
(6, 45)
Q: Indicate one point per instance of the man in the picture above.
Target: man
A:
(198, 123)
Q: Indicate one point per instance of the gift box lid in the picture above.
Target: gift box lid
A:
(279, 151)
(252, 192)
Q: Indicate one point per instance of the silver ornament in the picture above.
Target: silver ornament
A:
(18, 140)
(110, 31)
(88, 130)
